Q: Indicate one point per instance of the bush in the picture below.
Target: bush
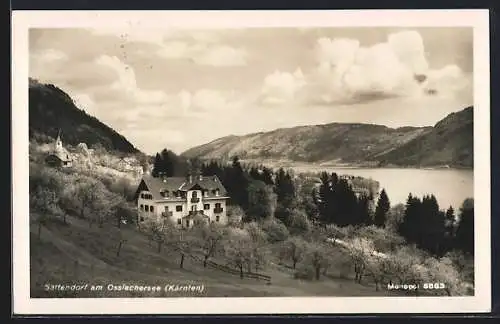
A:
(383, 240)
(299, 224)
(275, 230)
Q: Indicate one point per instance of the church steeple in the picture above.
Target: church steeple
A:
(58, 140)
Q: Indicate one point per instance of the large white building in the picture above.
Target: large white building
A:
(180, 200)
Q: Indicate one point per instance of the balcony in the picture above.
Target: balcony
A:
(195, 200)
(195, 212)
(167, 214)
(218, 210)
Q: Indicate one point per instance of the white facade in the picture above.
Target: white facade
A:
(181, 210)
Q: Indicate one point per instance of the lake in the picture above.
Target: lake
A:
(450, 186)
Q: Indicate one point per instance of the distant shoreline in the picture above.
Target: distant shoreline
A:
(293, 164)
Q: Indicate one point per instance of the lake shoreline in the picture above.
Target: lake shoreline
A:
(294, 164)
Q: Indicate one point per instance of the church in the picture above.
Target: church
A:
(59, 156)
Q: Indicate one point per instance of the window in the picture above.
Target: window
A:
(216, 192)
(217, 206)
(187, 222)
(206, 206)
(162, 193)
(142, 219)
(151, 209)
(205, 193)
(178, 208)
(195, 194)
(194, 208)
(142, 207)
(217, 218)
(166, 208)
(146, 207)
(179, 221)
(142, 195)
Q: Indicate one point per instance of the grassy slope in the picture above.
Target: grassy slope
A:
(53, 260)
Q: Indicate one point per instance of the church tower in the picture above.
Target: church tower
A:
(58, 141)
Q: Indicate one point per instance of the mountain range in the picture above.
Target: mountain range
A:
(448, 143)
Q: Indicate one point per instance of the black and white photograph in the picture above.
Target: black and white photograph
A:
(286, 160)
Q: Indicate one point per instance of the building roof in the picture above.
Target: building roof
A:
(62, 154)
(172, 184)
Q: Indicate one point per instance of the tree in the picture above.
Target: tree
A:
(44, 202)
(87, 195)
(294, 249)
(179, 240)
(317, 257)
(394, 217)
(157, 166)
(382, 208)
(275, 230)
(363, 212)
(433, 233)
(258, 248)
(299, 224)
(238, 250)
(120, 237)
(259, 201)
(208, 238)
(464, 237)
(359, 249)
(155, 233)
(410, 227)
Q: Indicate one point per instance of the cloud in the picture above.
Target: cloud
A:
(126, 84)
(141, 35)
(200, 47)
(348, 72)
(281, 87)
(222, 55)
(204, 54)
(49, 55)
(85, 102)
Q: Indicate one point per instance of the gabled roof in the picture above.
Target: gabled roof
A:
(172, 184)
(62, 154)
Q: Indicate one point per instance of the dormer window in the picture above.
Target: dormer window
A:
(205, 193)
(217, 192)
(162, 193)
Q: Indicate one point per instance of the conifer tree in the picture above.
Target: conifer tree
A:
(464, 238)
(381, 210)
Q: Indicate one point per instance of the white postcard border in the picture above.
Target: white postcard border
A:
(23, 20)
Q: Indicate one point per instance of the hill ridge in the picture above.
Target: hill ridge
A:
(447, 143)
(51, 109)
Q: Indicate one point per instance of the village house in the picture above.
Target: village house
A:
(59, 156)
(181, 200)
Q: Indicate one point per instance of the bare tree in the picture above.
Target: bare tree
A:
(294, 248)
(208, 238)
(317, 257)
(239, 250)
(359, 249)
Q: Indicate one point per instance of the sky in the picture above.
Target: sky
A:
(175, 89)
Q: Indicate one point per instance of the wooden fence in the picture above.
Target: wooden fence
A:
(224, 268)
